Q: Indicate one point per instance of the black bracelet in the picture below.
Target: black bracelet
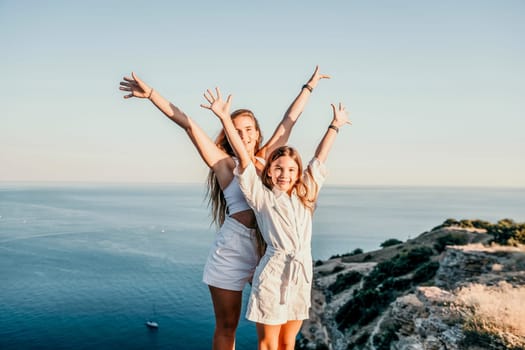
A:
(333, 127)
(307, 86)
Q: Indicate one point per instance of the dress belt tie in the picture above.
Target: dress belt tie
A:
(293, 267)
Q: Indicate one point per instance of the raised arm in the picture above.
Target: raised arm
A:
(222, 110)
(339, 120)
(139, 89)
(213, 156)
(284, 128)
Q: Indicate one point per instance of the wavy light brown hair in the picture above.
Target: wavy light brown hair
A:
(307, 195)
(214, 193)
(216, 201)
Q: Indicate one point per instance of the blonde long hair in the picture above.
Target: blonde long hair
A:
(216, 201)
(307, 195)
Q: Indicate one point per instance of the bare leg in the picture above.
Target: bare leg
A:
(227, 307)
(268, 336)
(288, 334)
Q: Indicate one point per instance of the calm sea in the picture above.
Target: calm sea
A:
(84, 266)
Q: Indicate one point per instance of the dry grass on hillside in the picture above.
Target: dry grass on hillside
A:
(496, 311)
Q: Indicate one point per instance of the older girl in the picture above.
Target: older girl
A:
(283, 200)
(234, 254)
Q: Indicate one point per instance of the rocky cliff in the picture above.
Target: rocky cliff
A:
(421, 294)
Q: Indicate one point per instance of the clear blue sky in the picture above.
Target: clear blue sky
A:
(435, 88)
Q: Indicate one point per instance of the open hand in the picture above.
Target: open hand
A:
(340, 115)
(217, 105)
(136, 87)
(314, 79)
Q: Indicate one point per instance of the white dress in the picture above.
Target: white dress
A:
(283, 279)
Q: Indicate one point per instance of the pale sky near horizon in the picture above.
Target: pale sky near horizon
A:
(435, 89)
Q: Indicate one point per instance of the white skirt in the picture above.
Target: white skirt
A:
(232, 258)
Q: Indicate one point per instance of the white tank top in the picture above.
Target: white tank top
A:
(234, 198)
(233, 195)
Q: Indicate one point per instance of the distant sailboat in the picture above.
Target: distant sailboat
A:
(150, 323)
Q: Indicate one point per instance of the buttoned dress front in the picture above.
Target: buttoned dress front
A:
(282, 281)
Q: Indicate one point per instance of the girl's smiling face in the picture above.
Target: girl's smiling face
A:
(248, 132)
(284, 172)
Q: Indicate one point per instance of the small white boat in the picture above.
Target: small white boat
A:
(152, 324)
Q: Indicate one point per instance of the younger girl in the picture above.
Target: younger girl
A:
(283, 200)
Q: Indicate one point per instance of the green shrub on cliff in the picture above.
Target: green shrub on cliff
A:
(479, 224)
(382, 340)
(425, 272)
(356, 251)
(381, 286)
(344, 281)
(465, 223)
(390, 242)
(505, 231)
(397, 266)
(450, 239)
(508, 232)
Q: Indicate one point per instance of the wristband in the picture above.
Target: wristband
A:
(331, 126)
(307, 86)
(150, 93)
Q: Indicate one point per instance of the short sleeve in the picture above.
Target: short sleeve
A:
(251, 186)
(317, 171)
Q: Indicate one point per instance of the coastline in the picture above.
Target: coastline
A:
(420, 306)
